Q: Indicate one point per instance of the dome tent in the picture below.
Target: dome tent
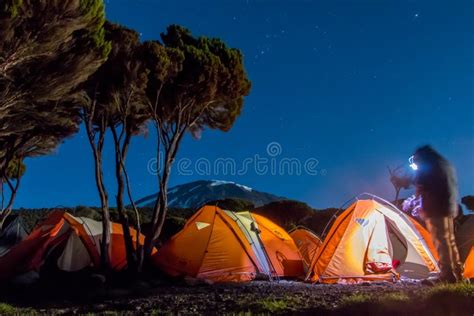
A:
(223, 246)
(307, 243)
(12, 233)
(280, 248)
(370, 241)
(67, 242)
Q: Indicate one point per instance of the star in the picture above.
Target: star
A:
(416, 15)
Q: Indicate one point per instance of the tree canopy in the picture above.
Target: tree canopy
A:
(206, 81)
(47, 48)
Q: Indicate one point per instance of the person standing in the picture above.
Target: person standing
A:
(436, 185)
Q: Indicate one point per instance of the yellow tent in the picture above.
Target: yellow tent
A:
(370, 241)
(223, 246)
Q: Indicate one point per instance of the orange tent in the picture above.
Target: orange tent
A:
(370, 241)
(72, 243)
(223, 246)
(280, 248)
(307, 243)
(469, 265)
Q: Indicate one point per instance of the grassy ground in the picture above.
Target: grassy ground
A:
(263, 298)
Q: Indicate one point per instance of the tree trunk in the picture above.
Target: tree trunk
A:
(3, 217)
(8, 209)
(138, 247)
(97, 149)
(104, 202)
(160, 208)
(120, 155)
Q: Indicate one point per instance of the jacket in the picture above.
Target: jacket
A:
(437, 186)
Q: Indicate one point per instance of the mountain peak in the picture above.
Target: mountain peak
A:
(197, 193)
(222, 182)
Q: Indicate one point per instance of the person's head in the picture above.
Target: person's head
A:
(425, 157)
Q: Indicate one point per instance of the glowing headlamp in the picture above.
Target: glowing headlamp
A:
(413, 165)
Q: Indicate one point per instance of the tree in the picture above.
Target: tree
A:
(115, 100)
(468, 201)
(286, 213)
(193, 83)
(400, 180)
(15, 170)
(47, 48)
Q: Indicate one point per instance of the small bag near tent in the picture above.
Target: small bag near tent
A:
(66, 243)
(307, 243)
(223, 246)
(469, 265)
(12, 233)
(370, 241)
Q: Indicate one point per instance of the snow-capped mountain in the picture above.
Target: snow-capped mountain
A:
(197, 193)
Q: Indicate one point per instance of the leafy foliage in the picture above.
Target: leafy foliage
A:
(116, 90)
(47, 48)
(201, 77)
(15, 169)
(235, 205)
(7, 309)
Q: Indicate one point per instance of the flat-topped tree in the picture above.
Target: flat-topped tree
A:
(47, 48)
(115, 100)
(194, 83)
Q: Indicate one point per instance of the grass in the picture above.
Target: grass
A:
(458, 289)
(6, 309)
(443, 299)
(355, 299)
(273, 305)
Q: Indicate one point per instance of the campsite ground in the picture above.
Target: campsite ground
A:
(257, 297)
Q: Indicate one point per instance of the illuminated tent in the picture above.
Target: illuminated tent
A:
(70, 243)
(12, 233)
(223, 246)
(373, 242)
(307, 243)
(469, 265)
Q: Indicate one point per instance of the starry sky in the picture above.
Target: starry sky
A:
(355, 84)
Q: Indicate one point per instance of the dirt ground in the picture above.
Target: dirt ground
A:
(258, 297)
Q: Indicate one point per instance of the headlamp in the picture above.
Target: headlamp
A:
(413, 165)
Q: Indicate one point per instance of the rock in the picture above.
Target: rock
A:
(193, 281)
(98, 279)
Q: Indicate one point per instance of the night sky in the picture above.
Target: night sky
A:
(357, 85)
